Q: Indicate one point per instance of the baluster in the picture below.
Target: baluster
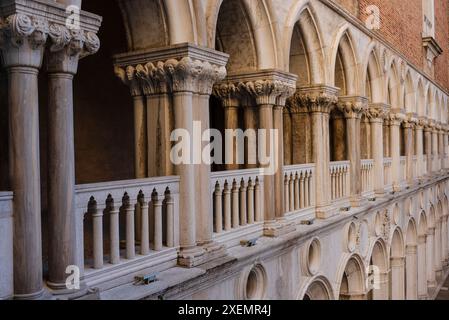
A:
(157, 232)
(97, 221)
(286, 193)
(257, 208)
(170, 209)
(235, 205)
(227, 206)
(218, 208)
(302, 193)
(250, 201)
(243, 212)
(114, 231)
(291, 191)
(130, 237)
(144, 225)
(296, 191)
(306, 190)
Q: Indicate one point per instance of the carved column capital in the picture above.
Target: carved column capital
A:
(128, 77)
(22, 40)
(352, 107)
(315, 99)
(67, 46)
(377, 112)
(228, 93)
(396, 118)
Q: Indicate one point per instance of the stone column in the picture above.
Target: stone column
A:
(129, 78)
(22, 45)
(320, 100)
(352, 108)
(422, 269)
(396, 119)
(377, 113)
(435, 162)
(250, 123)
(409, 125)
(441, 147)
(397, 276)
(431, 281)
(438, 265)
(428, 139)
(419, 146)
(386, 137)
(62, 63)
(444, 240)
(411, 265)
(229, 95)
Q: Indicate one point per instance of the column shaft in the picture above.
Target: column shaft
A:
(378, 155)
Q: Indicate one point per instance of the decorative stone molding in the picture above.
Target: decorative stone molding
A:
(352, 107)
(396, 117)
(315, 99)
(68, 46)
(410, 121)
(179, 68)
(377, 111)
(267, 87)
(129, 78)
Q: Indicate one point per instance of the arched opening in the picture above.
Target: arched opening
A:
(318, 290)
(352, 285)
(439, 240)
(378, 272)
(411, 262)
(306, 61)
(431, 248)
(397, 273)
(422, 256)
(231, 108)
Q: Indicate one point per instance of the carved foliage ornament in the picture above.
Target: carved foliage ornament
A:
(313, 102)
(18, 28)
(181, 75)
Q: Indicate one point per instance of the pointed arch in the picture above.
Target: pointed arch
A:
(351, 278)
(397, 254)
(410, 93)
(245, 26)
(344, 63)
(411, 261)
(304, 51)
(316, 288)
(421, 104)
(372, 76)
(378, 261)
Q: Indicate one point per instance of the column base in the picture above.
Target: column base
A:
(30, 296)
(197, 256)
(326, 212)
(439, 274)
(423, 297)
(379, 193)
(276, 228)
(61, 288)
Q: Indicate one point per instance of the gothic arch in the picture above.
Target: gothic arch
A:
(351, 278)
(373, 76)
(378, 262)
(421, 105)
(344, 63)
(410, 94)
(411, 261)
(317, 288)
(397, 254)
(303, 46)
(393, 86)
(148, 25)
(247, 28)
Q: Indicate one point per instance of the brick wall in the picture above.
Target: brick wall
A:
(401, 25)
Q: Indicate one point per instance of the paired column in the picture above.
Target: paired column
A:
(62, 63)
(319, 101)
(352, 108)
(22, 48)
(441, 147)
(376, 114)
(435, 153)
